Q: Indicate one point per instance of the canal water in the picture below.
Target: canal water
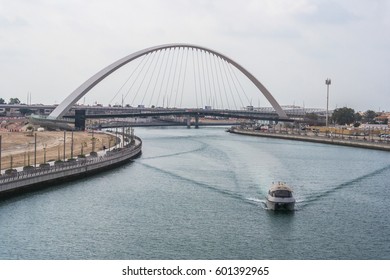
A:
(200, 194)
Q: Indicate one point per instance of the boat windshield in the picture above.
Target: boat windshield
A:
(281, 193)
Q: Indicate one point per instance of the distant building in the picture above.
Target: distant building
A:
(383, 118)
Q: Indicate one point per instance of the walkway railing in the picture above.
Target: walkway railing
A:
(284, 134)
(112, 156)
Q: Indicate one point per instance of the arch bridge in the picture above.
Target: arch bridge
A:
(211, 70)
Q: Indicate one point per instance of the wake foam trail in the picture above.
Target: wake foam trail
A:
(259, 202)
(305, 202)
(214, 189)
(201, 148)
(256, 200)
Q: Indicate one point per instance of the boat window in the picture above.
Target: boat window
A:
(282, 193)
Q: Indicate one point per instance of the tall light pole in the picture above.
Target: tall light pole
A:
(327, 82)
(35, 150)
(0, 155)
(64, 145)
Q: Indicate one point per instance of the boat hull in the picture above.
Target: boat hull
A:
(280, 206)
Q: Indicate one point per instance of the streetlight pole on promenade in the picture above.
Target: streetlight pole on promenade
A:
(0, 154)
(327, 82)
(35, 150)
(64, 145)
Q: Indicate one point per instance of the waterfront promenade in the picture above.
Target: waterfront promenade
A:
(51, 174)
(320, 138)
(22, 148)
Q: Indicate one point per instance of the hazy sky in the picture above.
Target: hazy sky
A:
(49, 47)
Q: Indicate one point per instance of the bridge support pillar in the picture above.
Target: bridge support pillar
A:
(79, 120)
(188, 121)
(196, 121)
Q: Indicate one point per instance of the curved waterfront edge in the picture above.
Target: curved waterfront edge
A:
(39, 178)
(315, 139)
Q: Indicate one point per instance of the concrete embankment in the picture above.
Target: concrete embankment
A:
(317, 139)
(48, 176)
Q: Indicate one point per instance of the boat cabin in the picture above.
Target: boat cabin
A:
(280, 190)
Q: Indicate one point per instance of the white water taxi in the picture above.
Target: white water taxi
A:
(280, 197)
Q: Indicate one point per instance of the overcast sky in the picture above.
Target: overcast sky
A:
(49, 47)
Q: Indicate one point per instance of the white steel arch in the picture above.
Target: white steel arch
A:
(78, 93)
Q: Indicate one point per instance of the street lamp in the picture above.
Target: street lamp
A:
(327, 82)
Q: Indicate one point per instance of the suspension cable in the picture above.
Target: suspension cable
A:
(199, 78)
(143, 58)
(247, 98)
(169, 77)
(162, 73)
(204, 79)
(211, 57)
(196, 90)
(227, 80)
(157, 78)
(217, 78)
(143, 79)
(151, 77)
(223, 83)
(174, 75)
(162, 81)
(234, 84)
(184, 77)
(178, 79)
(136, 78)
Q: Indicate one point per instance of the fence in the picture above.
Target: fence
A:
(71, 168)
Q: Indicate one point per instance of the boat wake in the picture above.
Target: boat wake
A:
(256, 200)
(351, 183)
(215, 189)
(263, 205)
(199, 149)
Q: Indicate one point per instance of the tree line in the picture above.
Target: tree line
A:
(12, 100)
(348, 116)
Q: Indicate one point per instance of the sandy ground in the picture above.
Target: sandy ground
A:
(21, 145)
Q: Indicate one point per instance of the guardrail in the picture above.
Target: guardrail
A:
(76, 167)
